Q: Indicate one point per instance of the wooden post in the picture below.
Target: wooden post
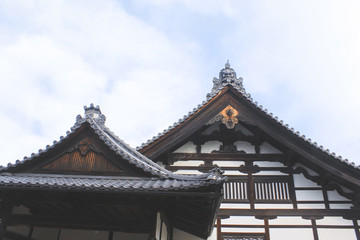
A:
(314, 228)
(218, 228)
(267, 230)
(356, 227)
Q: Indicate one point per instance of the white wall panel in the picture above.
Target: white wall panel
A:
(268, 148)
(309, 195)
(188, 147)
(336, 234)
(245, 146)
(301, 181)
(292, 233)
(181, 235)
(210, 146)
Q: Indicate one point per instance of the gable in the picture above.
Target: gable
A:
(83, 157)
(242, 128)
(81, 152)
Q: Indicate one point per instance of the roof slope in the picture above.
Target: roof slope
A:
(157, 178)
(228, 90)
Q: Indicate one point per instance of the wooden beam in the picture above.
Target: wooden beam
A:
(347, 213)
(227, 157)
(80, 222)
(15, 236)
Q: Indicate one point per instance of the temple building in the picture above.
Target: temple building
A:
(280, 184)
(229, 170)
(92, 186)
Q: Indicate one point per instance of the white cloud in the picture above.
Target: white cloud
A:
(147, 65)
(74, 54)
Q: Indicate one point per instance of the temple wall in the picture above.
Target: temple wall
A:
(181, 235)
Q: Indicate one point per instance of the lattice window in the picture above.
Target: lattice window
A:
(263, 189)
(235, 190)
(271, 188)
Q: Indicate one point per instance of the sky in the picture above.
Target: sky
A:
(149, 62)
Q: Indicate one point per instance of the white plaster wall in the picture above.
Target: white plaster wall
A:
(181, 235)
(292, 233)
(213, 235)
(273, 206)
(270, 173)
(334, 221)
(269, 164)
(289, 221)
(267, 148)
(235, 205)
(309, 195)
(335, 196)
(191, 163)
(234, 173)
(164, 232)
(336, 234)
(158, 223)
(311, 206)
(243, 130)
(245, 146)
(301, 181)
(229, 163)
(188, 147)
(188, 172)
(340, 206)
(210, 146)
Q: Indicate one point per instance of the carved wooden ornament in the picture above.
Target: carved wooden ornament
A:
(228, 116)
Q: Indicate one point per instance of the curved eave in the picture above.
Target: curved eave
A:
(115, 144)
(340, 169)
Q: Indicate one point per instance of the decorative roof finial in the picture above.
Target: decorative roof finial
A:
(227, 65)
(92, 109)
(91, 112)
(227, 76)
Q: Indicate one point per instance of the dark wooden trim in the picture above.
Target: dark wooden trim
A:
(227, 157)
(15, 236)
(314, 229)
(59, 234)
(218, 229)
(111, 234)
(347, 213)
(287, 226)
(267, 230)
(356, 227)
(326, 199)
(78, 222)
(335, 171)
(31, 230)
(292, 190)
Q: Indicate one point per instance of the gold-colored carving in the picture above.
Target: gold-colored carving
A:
(229, 117)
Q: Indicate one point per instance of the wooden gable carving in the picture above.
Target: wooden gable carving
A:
(83, 157)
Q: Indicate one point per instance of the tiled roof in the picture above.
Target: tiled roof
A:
(227, 76)
(96, 120)
(99, 183)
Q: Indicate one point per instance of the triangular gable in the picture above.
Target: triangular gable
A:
(90, 148)
(83, 157)
(93, 149)
(81, 152)
(230, 104)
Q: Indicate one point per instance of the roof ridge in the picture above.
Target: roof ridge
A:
(227, 76)
(96, 120)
